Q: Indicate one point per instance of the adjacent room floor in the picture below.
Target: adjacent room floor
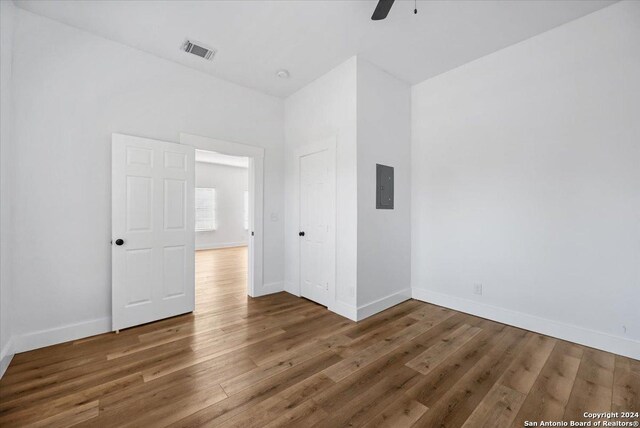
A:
(280, 360)
(221, 278)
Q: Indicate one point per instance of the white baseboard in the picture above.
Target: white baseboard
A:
(53, 336)
(7, 349)
(360, 312)
(583, 336)
(340, 308)
(270, 288)
(66, 333)
(380, 305)
(345, 310)
(290, 288)
(5, 356)
(221, 245)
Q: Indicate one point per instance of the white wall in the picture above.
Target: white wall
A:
(72, 90)
(524, 175)
(368, 111)
(230, 183)
(7, 17)
(384, 236)
(526, 179)
(326, 108)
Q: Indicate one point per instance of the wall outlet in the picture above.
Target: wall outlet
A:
(477, 289)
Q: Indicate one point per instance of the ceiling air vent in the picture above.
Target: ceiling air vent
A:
(198, 50)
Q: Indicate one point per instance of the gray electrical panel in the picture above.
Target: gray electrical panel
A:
(384, 187)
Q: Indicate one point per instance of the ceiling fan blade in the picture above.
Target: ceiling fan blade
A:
(382, 9)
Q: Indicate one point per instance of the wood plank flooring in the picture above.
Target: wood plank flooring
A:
(283, 361)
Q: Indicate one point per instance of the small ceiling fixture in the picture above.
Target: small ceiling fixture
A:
(283, 74)
(197, 49)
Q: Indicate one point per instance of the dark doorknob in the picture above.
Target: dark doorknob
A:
(119, 241)
(300, 233)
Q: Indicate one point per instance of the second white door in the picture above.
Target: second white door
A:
(315, 227)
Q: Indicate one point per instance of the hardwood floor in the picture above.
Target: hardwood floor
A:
(283, 361)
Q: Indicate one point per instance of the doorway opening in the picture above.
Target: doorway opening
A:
(154, 231)
(255, 195)
(222, 232)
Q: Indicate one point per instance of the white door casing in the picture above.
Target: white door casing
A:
(153, 270)
(316, 178)
(255, 286)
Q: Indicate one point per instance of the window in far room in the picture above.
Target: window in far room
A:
(205, 209)
(246, 210)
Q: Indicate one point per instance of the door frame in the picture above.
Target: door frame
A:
(255, 285)
(328, 144)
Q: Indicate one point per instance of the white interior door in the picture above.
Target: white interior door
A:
(153, 248)
(315, 230)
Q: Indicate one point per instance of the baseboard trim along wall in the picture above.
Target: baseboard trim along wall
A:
(270, 288)
(365, 311)
(369, 309)
(594, 339)
(222, 245)
(291, 289)
(53, 336)
(6, 355)
(345, 310)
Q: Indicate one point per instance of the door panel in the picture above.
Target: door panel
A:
(139, 203)
(314, 251)
(174, 265)
(139, 156)
(175, 160)
(153, 212)
(175, 204)
(139, 276)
